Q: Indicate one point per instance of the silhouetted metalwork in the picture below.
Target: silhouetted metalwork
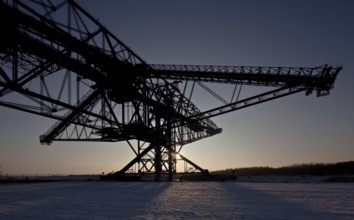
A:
(59, 62)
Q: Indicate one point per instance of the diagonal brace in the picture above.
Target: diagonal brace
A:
(61, 125)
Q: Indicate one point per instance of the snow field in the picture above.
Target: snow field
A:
(176, 200)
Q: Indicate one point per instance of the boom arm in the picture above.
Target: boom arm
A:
(288, 80)
(317, 78)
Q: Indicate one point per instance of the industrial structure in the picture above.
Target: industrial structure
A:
(60, 62)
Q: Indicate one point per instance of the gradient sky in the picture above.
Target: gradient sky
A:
(294, 129)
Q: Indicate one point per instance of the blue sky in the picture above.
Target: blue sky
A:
(294, 129)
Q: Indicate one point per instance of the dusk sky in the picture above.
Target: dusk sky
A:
(291, 130)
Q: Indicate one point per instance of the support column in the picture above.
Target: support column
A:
(171, 155)
(158, 163)
(158, 158)
(169, 142)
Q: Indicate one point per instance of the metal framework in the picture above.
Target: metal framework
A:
(58, 61)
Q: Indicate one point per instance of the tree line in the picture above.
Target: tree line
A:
(312, 169)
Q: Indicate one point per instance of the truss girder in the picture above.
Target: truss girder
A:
(71, 116)
(317, 78)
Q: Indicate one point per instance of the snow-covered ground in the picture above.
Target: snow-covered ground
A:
(176, 200)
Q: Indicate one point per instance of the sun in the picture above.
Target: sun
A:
(178, 157)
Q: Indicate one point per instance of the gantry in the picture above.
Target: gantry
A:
(58, 61)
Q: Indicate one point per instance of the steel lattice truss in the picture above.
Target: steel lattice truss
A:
(58, 61)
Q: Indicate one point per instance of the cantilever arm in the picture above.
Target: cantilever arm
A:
(317, 78)
(287, 80)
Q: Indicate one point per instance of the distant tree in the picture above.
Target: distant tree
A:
(313, 169)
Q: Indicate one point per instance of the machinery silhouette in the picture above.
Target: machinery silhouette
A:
(59, 62)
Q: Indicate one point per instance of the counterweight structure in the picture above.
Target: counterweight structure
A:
(58, 61)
